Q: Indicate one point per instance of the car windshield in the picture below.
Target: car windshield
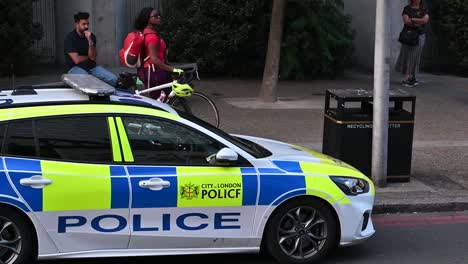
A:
(248, 146)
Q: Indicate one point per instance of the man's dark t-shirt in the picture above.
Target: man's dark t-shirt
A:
(75, 44)
(416, 13)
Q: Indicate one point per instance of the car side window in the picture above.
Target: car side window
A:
(161, 142)
(80, 138)
(20, 139)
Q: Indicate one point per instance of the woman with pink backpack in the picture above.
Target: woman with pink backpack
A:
(145, 50)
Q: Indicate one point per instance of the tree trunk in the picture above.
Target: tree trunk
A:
(268, 90)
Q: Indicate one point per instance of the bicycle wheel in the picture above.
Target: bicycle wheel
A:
(179, 104)
(198, 105)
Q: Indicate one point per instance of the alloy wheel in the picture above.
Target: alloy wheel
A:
(10, 241)
(302, 232)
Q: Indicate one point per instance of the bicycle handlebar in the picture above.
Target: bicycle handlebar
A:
(186, 78)
(187, 75)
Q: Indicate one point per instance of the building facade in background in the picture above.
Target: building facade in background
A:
(363, 21)
(111, 20)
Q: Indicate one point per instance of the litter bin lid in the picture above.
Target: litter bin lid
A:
(359, 94)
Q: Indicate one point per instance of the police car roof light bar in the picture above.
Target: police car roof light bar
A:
(88, 84)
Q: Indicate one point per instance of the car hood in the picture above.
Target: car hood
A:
(282, 151)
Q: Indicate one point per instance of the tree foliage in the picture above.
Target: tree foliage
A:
(229, 38)
(226, 37)
(318, 40)
(451, 25)
(15, 35)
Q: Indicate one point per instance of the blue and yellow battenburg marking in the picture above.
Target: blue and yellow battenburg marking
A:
(106, 187)
(316, 177)
(75, 186)
(195, 186)
(7, 194)
(5, 187)
(212, 186)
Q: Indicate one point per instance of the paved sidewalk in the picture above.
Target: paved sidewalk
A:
(439, 177)
(439, 172)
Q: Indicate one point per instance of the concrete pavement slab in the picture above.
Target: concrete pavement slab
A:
(281, 103)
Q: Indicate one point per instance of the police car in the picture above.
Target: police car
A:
(87, 171)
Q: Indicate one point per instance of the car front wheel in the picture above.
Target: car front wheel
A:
(301, 231)
(17, 241)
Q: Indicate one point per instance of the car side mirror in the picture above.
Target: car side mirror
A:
(226, 157)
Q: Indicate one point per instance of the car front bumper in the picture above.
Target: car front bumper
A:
(356, 219)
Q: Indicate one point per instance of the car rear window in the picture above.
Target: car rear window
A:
(20, 139)
(82, 138)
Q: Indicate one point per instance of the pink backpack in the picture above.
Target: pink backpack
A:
(130, 54)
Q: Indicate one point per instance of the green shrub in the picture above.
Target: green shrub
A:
(230, 38)
(15, 35)
(317, 39)
(451, 25)
(223, 37)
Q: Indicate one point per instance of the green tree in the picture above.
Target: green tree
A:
(223, 37)
(318, 39)
(268, 90)
(451, 25)
(15, 35)
(230, 38)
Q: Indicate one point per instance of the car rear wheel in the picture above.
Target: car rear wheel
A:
(17, 240)
(301, 231)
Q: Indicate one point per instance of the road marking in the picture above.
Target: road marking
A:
(420, 221)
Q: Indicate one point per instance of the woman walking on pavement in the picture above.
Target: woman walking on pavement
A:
(154, 70)
(415, 16)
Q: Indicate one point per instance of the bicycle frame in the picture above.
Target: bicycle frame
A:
(158, 87)
(194, 68)
(198, 109)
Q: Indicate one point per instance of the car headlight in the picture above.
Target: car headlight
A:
(351, 186)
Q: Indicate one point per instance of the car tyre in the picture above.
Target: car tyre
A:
(18, 243)
(300, 231)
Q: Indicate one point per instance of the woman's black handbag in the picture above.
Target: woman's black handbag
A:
(409, 36)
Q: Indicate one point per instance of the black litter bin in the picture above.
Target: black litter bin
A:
(347, 132)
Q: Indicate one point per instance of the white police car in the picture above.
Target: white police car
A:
(89, 172)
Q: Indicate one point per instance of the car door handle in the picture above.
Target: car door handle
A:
(36, 182)
(154, 184)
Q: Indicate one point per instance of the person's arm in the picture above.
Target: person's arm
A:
(92, 54)
(421, 21)
(71, 51)
(407, 20)
(154, 50)
(77, 59)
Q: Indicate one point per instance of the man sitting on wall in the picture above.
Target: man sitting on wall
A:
(80, 51)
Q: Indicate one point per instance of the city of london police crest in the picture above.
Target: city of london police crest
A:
(189, 191)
